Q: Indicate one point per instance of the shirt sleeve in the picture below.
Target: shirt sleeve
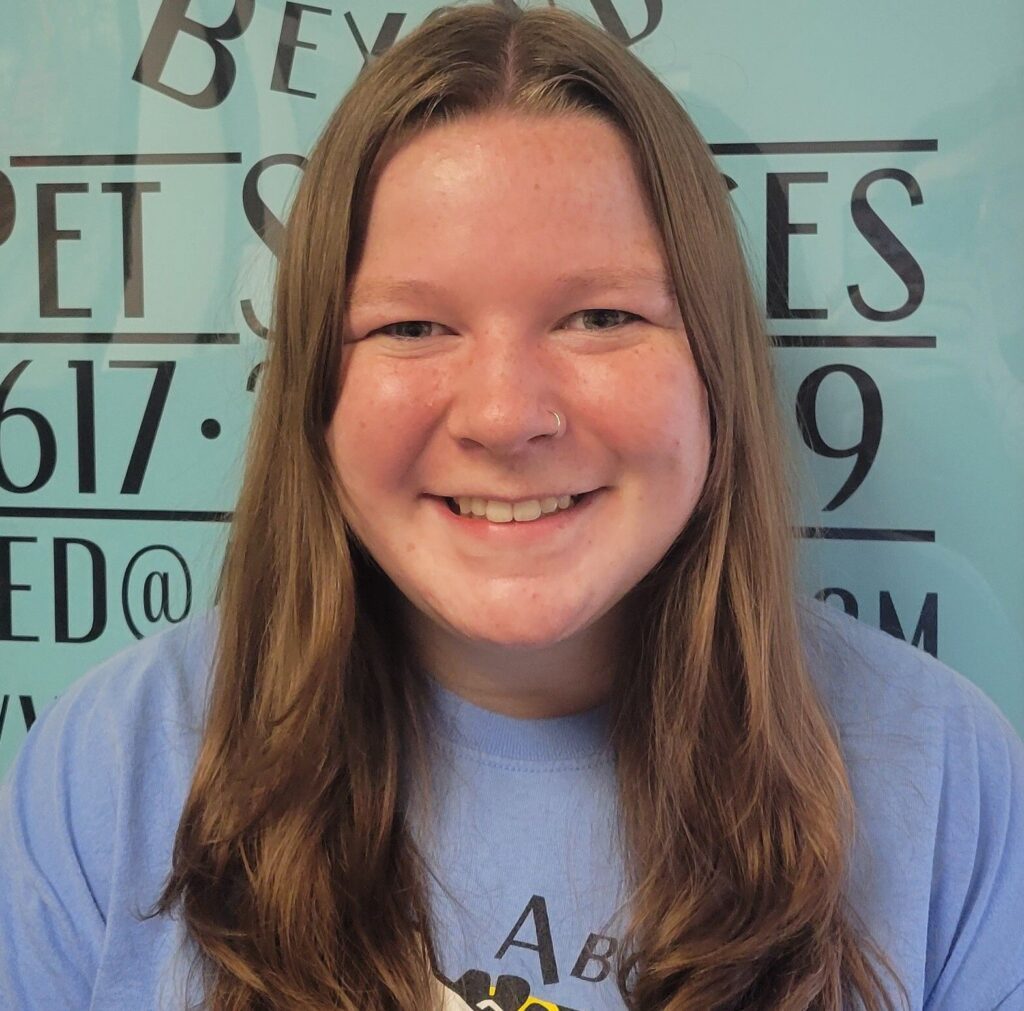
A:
(975, 933)
(56, 804)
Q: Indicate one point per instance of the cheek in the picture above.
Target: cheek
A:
(659, 418)
(382, 416)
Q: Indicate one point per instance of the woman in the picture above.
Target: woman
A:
(511, 701)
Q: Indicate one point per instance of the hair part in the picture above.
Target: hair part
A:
(294, 868)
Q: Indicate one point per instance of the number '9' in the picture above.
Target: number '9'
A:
(866, 447)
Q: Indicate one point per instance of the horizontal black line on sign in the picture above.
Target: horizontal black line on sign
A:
(235, 157)
(180, 158)
(157, 515)
(195, 516)
(844, 340)
(118, 338)
(827, 147)
(866, 534)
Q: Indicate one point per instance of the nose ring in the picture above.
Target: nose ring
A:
(558, 423)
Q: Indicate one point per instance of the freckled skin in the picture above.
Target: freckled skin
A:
(494, 209)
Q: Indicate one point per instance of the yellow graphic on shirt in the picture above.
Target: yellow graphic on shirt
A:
(473, 991)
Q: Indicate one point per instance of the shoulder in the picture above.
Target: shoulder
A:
(167, 673)
(118, 745)
(874, 683)
(125, 724)
(937, 774)
(913, 731)
(88, 814)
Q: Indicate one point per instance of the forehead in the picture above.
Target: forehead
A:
(512, 192)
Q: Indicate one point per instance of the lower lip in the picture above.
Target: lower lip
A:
(548, 525)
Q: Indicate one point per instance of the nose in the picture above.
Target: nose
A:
(504, 394)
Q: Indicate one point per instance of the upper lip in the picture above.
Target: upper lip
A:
(503, 497)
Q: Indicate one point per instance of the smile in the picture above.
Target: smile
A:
(499, 511)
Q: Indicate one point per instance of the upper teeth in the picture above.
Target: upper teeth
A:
(504, 512)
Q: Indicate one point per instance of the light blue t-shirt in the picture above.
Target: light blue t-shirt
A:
(528, 870)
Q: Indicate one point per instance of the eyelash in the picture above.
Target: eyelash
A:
(629, 317)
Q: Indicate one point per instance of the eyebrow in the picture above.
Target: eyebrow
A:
(572, 281)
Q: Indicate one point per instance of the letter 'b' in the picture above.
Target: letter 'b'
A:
(172, 20)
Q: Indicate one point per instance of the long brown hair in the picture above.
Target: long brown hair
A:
(295, 871)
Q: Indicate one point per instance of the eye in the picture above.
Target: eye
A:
(415, 324)
(606, 316)
(420, 328)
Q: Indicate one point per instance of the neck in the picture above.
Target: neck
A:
(527, 682)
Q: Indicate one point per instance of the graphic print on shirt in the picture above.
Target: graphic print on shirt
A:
(475, 990)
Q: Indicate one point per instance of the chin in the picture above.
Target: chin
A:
(518, 632)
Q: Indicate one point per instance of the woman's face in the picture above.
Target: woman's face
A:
(511, 269)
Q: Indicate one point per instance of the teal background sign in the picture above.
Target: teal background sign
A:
(147, 153)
